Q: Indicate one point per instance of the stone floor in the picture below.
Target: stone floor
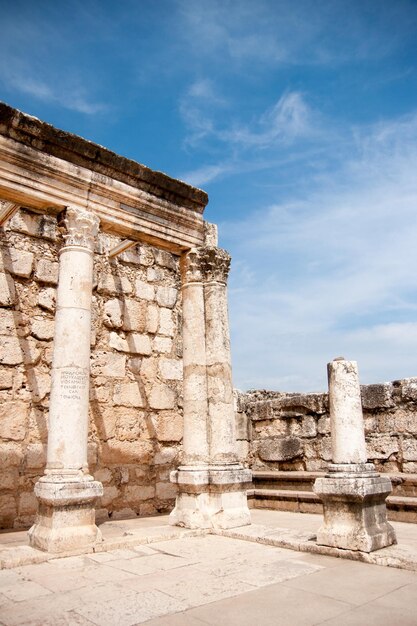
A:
(180, 579)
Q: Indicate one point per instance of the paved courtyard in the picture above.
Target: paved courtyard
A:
(210, 579)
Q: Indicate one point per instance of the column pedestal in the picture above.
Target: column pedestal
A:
(211, 497)
(355, 516)
(66, 515)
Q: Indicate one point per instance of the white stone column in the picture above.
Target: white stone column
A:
(66, 492)
(353, 493)
(348, 437)
(211, 484)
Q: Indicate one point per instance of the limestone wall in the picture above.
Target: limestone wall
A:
(136, 370)
(289, 431)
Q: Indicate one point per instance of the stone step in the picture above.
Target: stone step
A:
(292, 491)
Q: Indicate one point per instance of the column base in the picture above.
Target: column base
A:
(355, 514)
(65, 521)
(211, 497)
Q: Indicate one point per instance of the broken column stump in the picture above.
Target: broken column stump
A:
(352, 492)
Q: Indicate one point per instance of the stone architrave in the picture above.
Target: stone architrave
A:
(353, 493)
(211, 482)
(67, 493)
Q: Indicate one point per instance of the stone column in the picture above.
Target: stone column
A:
(67, 493)
(211, 483)
(353, 493)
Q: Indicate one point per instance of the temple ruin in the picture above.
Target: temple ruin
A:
(115, 372)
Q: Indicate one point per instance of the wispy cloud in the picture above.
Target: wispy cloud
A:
(332, 272)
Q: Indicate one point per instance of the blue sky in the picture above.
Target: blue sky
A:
(299, 118)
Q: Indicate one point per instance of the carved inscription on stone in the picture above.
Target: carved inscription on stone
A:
(73, 384)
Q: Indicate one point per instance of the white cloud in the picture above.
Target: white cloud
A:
(332, 272)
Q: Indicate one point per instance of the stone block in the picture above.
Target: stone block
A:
(409, 389)
(166, 456)
(166, 296)
(11, 454)
(10, 321)
(108, 364)
(7, 290)
(17, 262)
(42, 329)
(170, 369)
(409, 448)
(155, 274)
(134, 316)
(103, 475)
(9, 479)
(169, 426)
(242, 426)
(325, 449)
(47, 271)
(42, 226)
(28, 503)
(138, 493)
(6, 378)
(115, 452)
(134, 343)
(39, 384)
(112, 314)
(128, 394)
(280, 449)
(163, 345)
(377, 396)
(296, 405)
(112, 285)
(323, 425)
(131, 424)
(165, 259)
(381, 446)
(110, 494)
(166, 322)
(152, 319)
(145, 291)
(8, 511)
(137, 256)
(47, 299)
(14, 351)
(35, 456)
(166, 491)
(13, 420)
(309, 426)
(161, 397)
(261, 410)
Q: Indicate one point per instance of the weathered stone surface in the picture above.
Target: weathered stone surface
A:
(6, 378)
(7, 290)
(381, 446)
(46, 271)
(165, 456)
(134, 343)
(409, 447)
(152, 319)
(165, 259)
(42, 329)
(242, 426)
(112, 285)
(166, 490)
(113, 313)
(166, 296)
(162, 345)
(161, 397)
(108, 364)
(170, 369)
(377, 396)
(166, 322)
(128, 394)
(13, 420)
(9, 321)
(17, 262)
(138, 493)
(35, 456)
(42, 226)
(409, 389)
(168, 426)
(134, 315)
(47, 299)
(144, 291)
(280, 449)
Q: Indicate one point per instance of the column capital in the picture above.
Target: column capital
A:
(80, 227)
(206, 264)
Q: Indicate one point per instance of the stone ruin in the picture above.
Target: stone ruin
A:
(115, 373)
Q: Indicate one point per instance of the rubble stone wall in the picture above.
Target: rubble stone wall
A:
(290, 431)
(136, 370)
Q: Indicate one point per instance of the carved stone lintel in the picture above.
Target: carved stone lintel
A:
(80, 228)
(205, 264)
